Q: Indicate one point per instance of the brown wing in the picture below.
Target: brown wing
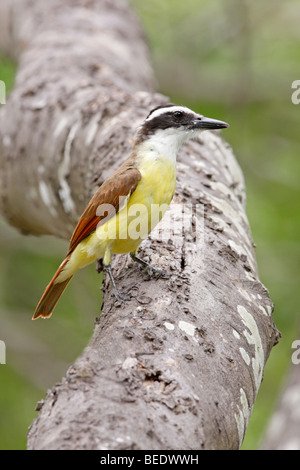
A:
(110, 193)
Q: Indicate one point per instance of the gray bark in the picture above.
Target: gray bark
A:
(179, 366)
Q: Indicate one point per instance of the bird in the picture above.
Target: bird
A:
(110, 224)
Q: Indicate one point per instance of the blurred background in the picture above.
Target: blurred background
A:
(233, 60)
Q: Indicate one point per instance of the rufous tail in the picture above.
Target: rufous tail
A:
(52, 294)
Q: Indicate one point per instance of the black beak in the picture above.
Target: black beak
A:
(203, 122)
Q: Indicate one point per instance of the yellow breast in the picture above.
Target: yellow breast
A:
(147, 204)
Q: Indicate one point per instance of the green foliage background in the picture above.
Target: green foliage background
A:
(233, 60)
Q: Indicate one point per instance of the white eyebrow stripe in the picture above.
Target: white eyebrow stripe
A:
(173, 109)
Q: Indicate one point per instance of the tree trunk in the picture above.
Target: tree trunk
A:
(179, 366)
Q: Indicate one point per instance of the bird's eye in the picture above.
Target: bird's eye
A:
(178, 114)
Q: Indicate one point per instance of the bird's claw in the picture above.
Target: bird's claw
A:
(155, 272)
(121, 295)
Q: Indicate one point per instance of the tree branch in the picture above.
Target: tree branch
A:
(179, 366)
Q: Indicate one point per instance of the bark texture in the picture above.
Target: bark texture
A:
(179, 366)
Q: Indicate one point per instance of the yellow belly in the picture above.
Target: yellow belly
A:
(124, 232)
(146, 206)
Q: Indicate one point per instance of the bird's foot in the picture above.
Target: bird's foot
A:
(155, 273)
(122, 296)
(152, 271)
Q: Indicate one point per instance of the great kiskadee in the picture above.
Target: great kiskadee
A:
(146, 179)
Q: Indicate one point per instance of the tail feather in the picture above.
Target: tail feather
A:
(52, 294)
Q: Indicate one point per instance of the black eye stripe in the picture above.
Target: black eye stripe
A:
(166, 119)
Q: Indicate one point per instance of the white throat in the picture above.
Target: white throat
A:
(164, 144)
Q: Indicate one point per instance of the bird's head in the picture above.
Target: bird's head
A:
(172, 125)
